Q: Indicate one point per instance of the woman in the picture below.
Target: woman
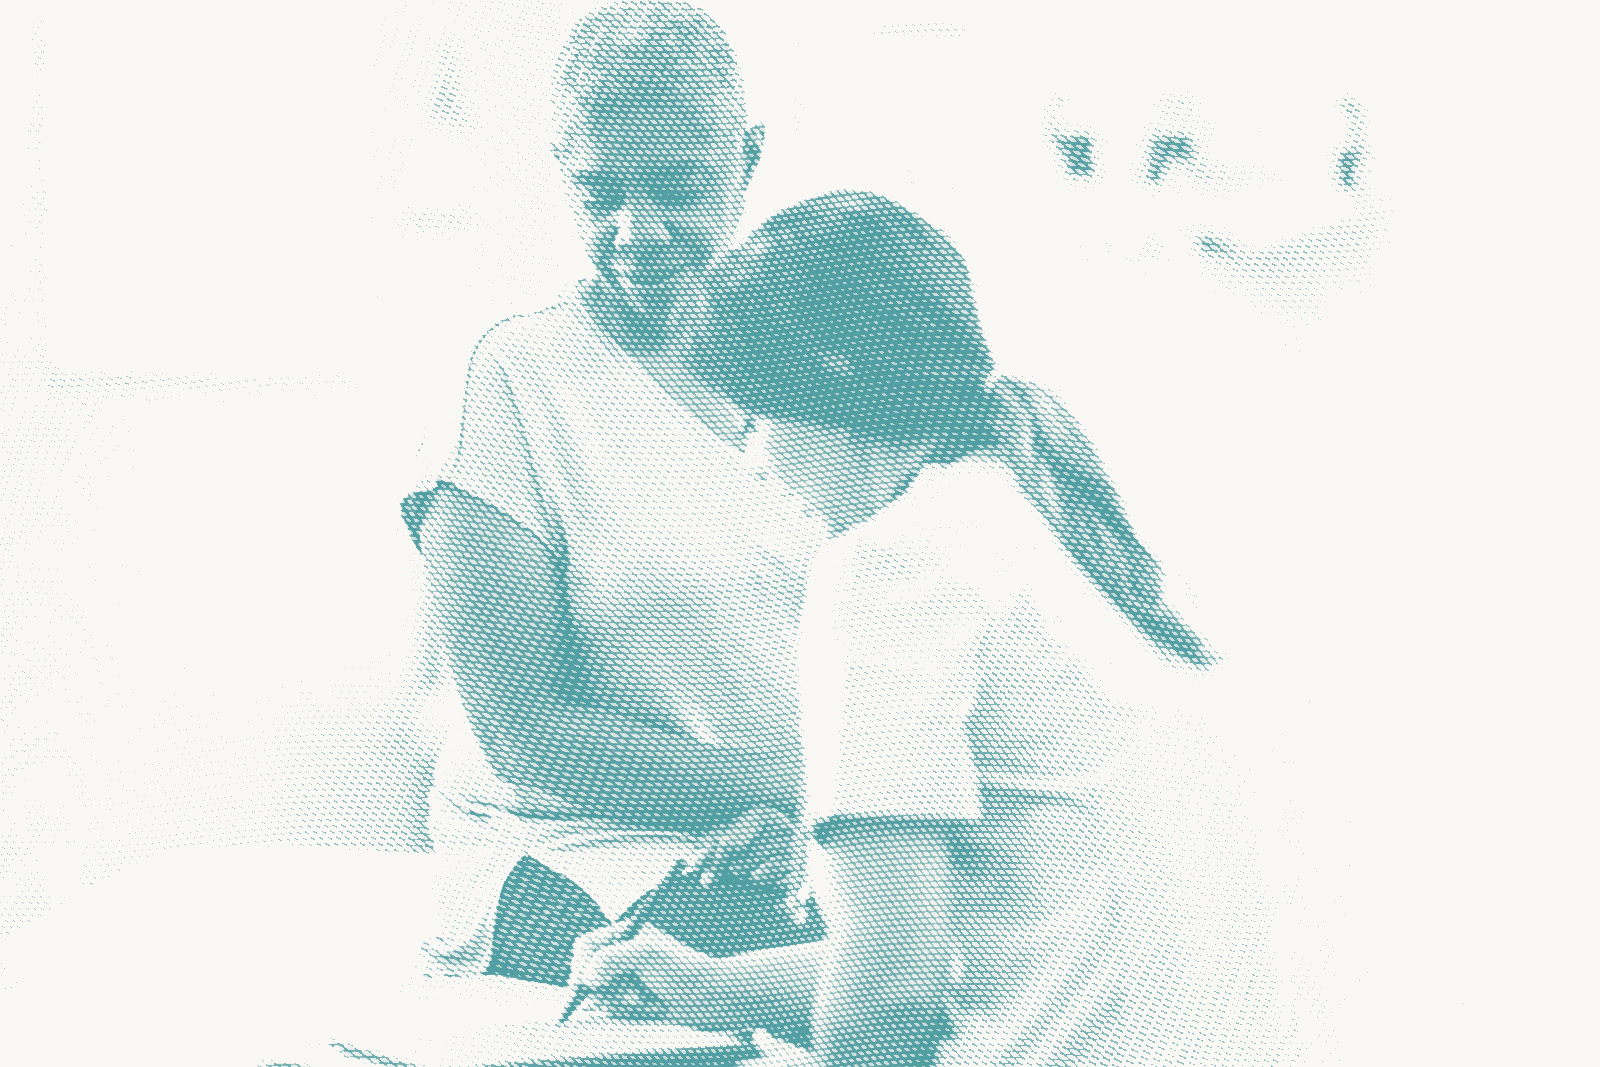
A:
(616, 585)
(979, 639)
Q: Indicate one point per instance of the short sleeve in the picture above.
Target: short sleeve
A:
(891, 666)
(491, 458)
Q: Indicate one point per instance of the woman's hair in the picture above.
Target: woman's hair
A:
(849, 310)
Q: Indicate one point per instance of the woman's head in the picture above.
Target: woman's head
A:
(851, 320)
(851, 312)
(652, 137)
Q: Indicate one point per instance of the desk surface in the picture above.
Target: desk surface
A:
(774, 1053)
(490, 1020)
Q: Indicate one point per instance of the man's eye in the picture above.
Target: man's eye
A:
(676, 194)
(1164, 152)
(601, 202)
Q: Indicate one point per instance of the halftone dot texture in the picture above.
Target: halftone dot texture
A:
(849, 310)
(678, 602)
(673, 573)
(1293, 273)
(617, 584)
(958, 670)
(540, 914)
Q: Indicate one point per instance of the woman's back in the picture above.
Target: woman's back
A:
(962, 588)
(958, 666)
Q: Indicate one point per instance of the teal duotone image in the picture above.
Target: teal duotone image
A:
(554, 533)
(744, 546)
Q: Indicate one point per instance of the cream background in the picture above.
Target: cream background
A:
(247, 250)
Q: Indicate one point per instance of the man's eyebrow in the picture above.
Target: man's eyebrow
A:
(672, 171)
(678, 171)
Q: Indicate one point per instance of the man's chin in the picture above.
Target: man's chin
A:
(651, 297)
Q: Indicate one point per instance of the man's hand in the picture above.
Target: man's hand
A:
(763, 845)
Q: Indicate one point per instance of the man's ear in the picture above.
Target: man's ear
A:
(754, 138)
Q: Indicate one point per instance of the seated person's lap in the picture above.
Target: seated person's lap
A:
(542, 912)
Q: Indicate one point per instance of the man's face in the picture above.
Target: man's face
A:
(658, 189)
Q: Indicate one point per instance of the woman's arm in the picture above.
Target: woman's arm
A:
(883, 982)
(875, 988)
(500, 598)
(770, 989)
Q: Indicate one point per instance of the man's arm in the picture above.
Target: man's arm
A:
(500, 599)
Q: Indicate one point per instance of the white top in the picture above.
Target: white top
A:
(950, 642)
(684, 565)
(956, 665)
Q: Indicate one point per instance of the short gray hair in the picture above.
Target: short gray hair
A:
(648, 50)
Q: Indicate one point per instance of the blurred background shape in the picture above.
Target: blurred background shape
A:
(1310, 277)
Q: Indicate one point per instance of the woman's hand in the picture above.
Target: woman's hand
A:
(653, 976)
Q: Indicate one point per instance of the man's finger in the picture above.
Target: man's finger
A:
(622, 961)
(758, 837)
(627, 1001)
(593, 941)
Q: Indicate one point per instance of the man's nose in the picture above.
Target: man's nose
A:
(640, 222)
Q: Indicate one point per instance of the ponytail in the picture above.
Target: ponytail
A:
(1058, 469)
(850, 310)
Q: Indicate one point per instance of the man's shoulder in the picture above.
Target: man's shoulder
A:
(557, 328)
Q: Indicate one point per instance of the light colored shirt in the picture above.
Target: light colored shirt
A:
(684, 567)
(956, 665)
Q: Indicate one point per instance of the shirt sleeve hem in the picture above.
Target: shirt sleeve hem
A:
(414, 509)
(825, 831)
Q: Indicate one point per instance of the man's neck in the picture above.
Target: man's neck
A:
(661, 345)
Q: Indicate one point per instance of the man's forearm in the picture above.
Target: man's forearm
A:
(499, 597)
(615, 765)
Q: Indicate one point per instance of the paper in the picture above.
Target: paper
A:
(496, 1022)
